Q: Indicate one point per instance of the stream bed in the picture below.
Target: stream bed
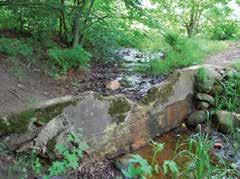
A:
(176, 141)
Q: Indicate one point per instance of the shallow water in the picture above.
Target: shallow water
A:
(170, 140)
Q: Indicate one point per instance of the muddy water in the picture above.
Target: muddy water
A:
(171, 140)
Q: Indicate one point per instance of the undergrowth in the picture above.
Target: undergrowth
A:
(15, 47)
(141, 168)
(201, 163)
(181, 52)
(228, 98)
(69, 58)
(27, 165)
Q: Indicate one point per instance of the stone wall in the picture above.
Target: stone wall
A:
(111, 125)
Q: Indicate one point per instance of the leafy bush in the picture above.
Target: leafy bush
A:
(14, 47)
(69, 58)
(224, 30)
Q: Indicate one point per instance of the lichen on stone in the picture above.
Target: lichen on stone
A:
(119, 108)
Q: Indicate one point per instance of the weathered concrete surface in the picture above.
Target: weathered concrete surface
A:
(110, 125)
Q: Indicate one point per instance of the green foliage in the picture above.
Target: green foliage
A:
(69, 58)
(71, 158)
(139, 167)
(198, 147)
(224, 30)
(181, 52)
(201, 164)
(36, 164)
(143, 170)
(14, 47)
(202, 74)
(157, 148)
(169, 166)
(228, 98)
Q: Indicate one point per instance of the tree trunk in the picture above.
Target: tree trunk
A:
(76, 28)
(85, 21)
(76, 22)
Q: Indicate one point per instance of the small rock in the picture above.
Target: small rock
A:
(20, 86)
(218, 146)
(202, 105)
(113, 85)
(196, 118)
(46, 93)
(205, 97)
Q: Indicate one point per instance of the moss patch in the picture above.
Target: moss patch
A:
(160, 93)
(45, 115)
(118, 109)
(19, 123)
(16, 123)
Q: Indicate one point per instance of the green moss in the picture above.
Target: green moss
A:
(157, 94)
(45, 115)
(118, 109)
(18, 123)
(160, 93)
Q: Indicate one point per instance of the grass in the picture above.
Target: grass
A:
(182, 52)
(202, 164)
(228, 98)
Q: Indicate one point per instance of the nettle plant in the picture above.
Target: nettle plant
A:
(70, 157)
(140, 167)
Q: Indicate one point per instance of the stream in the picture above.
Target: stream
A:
(175, 141)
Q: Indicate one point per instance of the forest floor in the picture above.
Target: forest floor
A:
(22, 86)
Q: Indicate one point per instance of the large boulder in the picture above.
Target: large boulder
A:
(196, 118)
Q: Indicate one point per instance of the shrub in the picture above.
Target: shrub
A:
(14, 47)
(69, 58)
(224, 30)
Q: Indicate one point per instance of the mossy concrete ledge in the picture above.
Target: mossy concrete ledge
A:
(110, 125)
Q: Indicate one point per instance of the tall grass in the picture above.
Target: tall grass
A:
(228, 99)
(201, 163)
(181, 52)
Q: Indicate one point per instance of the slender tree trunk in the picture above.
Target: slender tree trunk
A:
(85, 21)
(76, 22)
(191, 25)
(63, 21)
(76, 28)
